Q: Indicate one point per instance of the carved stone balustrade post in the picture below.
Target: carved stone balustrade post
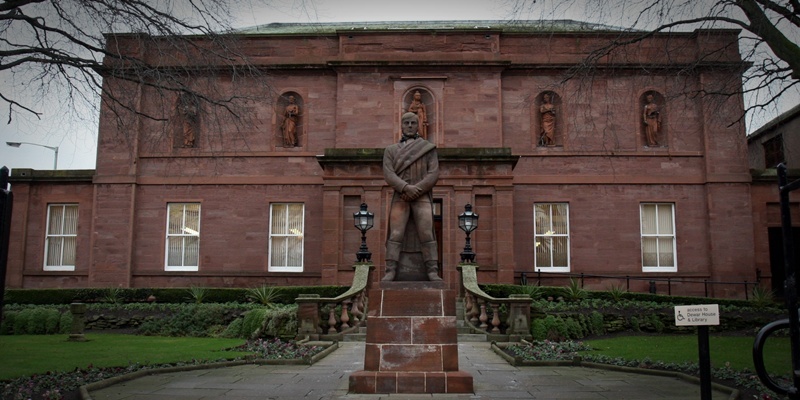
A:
(519, 316)
(308, 316)
(78, 311)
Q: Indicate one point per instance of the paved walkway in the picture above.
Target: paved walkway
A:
(493, 377)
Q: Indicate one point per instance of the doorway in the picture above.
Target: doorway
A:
(776, 264)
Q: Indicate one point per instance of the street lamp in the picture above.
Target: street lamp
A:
(363, 220)
(54, 148)
(468, 222)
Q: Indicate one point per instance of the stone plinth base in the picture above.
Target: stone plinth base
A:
(370, 382)
(412, 342)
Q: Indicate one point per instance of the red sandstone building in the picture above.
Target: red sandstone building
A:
(198, 198)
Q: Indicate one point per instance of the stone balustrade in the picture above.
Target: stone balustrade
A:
(484, 313)
(328, 318)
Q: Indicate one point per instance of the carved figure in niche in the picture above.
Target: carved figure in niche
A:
(418, 107)
(291, 118)
(190, 118)
(411, 168)
(547, 113)
(652, 121)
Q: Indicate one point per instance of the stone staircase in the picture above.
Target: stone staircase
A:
(464, 332)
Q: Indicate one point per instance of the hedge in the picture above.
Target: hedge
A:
(288, 294)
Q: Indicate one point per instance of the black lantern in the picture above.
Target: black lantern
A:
(468, 222)
(363, 220)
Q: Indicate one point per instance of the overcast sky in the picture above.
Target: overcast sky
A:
(75, 133)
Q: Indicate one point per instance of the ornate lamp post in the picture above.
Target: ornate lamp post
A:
(468, 222)
(363, 220)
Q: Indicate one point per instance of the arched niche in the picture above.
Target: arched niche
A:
(652, 119)
(187, 123)
(290, 130)
(549, 119)
(421, 102)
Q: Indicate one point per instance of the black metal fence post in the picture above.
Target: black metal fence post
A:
(6, 203)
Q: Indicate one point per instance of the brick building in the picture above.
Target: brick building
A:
(198, 198)
(774, 143)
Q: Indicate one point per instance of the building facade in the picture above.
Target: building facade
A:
(616, 172)
(774, 143)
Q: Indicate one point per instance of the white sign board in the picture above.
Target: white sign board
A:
(703, 314)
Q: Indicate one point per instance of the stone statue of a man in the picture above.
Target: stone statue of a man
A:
(411, 168)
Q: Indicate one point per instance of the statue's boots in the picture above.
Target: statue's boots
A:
(392, 256)
(430, 256)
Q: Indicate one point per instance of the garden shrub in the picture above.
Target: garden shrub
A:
(7, 326)
(65, 323)
(234, 329)
(282, 322)
(190, 320)
(597, 323)
(31, 321)
(287, 295)
(267, 322)
(635, 324)
(253, 321)
(538, 330)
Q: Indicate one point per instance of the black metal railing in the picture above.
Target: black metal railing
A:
(540, 277)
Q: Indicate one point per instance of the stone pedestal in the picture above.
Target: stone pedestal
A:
(412, 341)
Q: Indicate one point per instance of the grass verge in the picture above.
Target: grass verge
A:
(732, 351)
(37, 354)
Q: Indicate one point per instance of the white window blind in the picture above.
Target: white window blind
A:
(183, 237)
(658, 237)
(286, 237)
(62, 234)
(551, 236)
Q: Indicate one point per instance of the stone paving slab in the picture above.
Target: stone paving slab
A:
(493, 378)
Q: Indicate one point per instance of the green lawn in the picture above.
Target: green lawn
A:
(34, 354)
(738, 351)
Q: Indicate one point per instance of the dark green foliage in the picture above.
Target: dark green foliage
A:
(574, 291)
(502, 291)
(65, 324)
(265, 322)
(7, 326)
(596, 323)
(635, 324)
(287, 295)
(234, 329)
(192, 320)
(253, 320)
(538, 329)
(33, 321)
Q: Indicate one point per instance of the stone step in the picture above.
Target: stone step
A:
(355, 337)
(463, 336)
(472, 337)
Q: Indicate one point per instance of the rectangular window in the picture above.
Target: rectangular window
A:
(183, 237)
(286, 237)
(551, 236)
(62, 234)
(658, 237)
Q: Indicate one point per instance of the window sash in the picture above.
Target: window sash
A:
(182, 248)
(658, 237)
(286, 237)
(551, 237)
(61, 237)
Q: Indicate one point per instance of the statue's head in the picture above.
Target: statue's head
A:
(417, 95)
(409, 124)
